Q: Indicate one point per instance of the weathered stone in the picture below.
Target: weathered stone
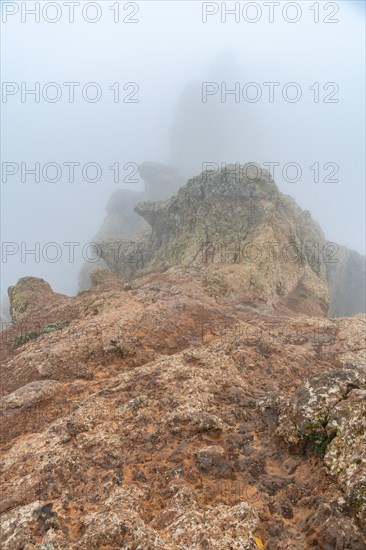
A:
(211, 460)
(245, 236)
(25, 295)
(329, 412)
(122, 222)
(145, 416)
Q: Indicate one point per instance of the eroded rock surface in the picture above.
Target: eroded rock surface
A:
(192, 398)
(137, 423)
(246, 236)
(329, 412)
(25, 295)
(238, 216)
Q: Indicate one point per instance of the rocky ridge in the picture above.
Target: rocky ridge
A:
(255, 242)
(158, 411)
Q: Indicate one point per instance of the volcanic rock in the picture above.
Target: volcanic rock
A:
(201, 405)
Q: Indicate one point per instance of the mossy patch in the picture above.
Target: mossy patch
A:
(24, 337)
(215, 286)
(319, 442)
(52, 327)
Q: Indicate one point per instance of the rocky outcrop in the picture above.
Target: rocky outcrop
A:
(245, 236)
(329, 413)
(121, 221)
(195, 396)
(5, 318)
(238, 216)
(26, 295)
(346, 454)
(135, 422)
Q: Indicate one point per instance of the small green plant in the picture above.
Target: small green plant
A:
(24, 337)
(52, 327)
(320, 443)
(303, 295)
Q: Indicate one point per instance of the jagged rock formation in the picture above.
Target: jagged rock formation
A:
(246, 237)
(197, 397)
(137, 420)
(28, 294)
(21, 296)
(329, 411)
(237, 216)
(160, 182)
(121, 221)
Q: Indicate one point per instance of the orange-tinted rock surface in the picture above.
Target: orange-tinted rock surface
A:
(166, 413)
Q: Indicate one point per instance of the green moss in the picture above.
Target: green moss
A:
(215, 286)
(320, 443)
(358, 500)
(52, 327)
(24, 337)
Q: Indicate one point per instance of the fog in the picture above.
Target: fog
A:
(168, 53)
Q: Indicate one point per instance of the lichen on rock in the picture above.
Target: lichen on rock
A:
(329, 411)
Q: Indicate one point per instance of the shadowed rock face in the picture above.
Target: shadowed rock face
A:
(121, 221)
